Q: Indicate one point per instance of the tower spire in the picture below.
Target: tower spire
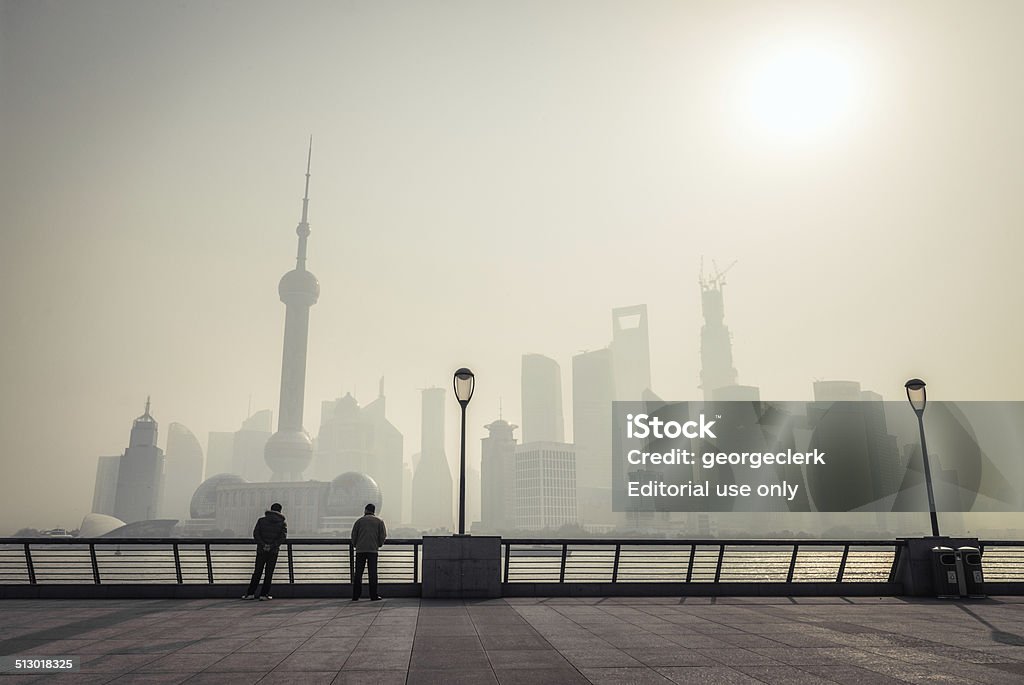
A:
(303, 228)
(289, 451)
(147, 406)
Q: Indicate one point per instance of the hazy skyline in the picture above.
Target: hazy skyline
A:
(489, 180)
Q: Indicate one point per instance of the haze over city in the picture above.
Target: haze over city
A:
(489, 181)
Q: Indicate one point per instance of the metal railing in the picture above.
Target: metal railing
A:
(699, 561)
(199, 561)
(184, 561)
(1002, 560)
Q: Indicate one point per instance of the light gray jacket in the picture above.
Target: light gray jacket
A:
(369, 534)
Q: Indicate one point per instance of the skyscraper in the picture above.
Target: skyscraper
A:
(105, 491)
(631, 353)
(183, 471)
(593, 391)
(542, 399)
(290, 449)
(219, 448)
(545, 492)
(248, 447)
(361, 439)
(139, 474)
(498, 477)
(716, 369)
(432, 480)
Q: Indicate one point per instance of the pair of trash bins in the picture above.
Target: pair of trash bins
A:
(957, 573)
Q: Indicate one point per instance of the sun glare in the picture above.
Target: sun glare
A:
(800, 91)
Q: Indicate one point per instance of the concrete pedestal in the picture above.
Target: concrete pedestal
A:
(457, 567)
(914, 569)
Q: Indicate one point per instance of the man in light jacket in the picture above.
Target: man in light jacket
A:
(368, 536)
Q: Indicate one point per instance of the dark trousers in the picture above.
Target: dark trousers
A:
(265, 563)
(364, 559)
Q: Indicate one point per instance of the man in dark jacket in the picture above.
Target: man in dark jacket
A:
(269, 533)
(368, 536)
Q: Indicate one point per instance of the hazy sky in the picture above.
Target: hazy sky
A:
(490, 179)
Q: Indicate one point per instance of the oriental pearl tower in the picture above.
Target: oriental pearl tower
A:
(290, 450)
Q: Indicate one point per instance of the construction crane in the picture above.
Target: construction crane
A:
(716, 279)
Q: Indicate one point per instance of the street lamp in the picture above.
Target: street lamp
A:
(464, 384)
(918, 398)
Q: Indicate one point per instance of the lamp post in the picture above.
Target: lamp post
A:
(918, 398)
(464, 383)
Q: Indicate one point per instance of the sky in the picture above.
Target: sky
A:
(489, 179)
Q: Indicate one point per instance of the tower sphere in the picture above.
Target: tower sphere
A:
(289, 452)
(299, 287)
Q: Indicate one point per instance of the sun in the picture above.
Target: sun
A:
(800, 90)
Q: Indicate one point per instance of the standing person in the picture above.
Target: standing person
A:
(368, 536)
(269, 533)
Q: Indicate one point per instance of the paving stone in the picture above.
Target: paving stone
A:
(514, 642)
(712, 675)
(539, 676)
(624, 676)
(444, 643)
(136, 678)
(371, 660)
(313, 661)
(784, 675)
(526, 658)
(370, 678)
(241, 662)
(451, 677)
(600, 658)
(182, 662)
(670, 657)
(279, 677)
(446, 660)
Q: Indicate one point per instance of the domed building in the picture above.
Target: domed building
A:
(227, 502)
(350, 493)
(348, 496)
(204, 501)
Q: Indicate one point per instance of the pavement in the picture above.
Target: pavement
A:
(535, 641)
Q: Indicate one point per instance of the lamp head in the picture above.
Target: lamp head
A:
(916, 394)
(464, 384)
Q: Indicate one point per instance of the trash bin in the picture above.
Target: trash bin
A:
(944, 573)
(973, 576)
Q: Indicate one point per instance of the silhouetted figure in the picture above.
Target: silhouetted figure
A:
(269, 533)
(368, 536)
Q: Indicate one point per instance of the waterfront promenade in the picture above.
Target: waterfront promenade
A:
(523, 640)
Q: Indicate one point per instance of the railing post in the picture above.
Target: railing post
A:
(415, 562)
(291, 565)
(792, 564)
(351, 563)
(95, 564)
(615, 566)
(895, 562)
(842, 564)
(29, 565)
(177, 564)
(689, 567)
(508, 558)
(718, 566)
(561, 572)
(209, 564)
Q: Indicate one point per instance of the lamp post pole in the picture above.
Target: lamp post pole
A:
(927, 476)
(917, 396)
(464, 383)
(462, 474)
